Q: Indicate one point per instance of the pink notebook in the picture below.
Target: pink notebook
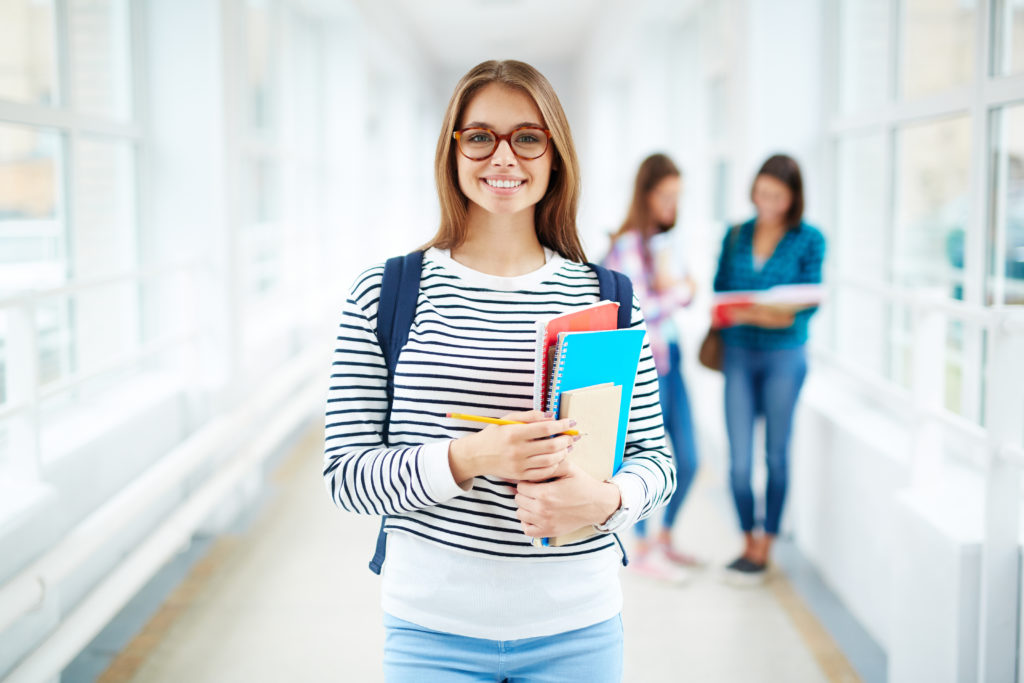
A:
(602, 315)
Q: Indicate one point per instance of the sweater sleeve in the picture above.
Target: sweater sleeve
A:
(361, 473)
(647, 477)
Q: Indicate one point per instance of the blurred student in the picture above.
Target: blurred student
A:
(466, 595)
(642, 250)
(765, 362)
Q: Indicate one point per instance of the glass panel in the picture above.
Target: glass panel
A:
(5, 392)
(259, 65)
(1010, 32)
(932, 207)
(53, 331)
(1005, 272)
(955, 366)
(863, 54)
(32, 242)
(938, 45)
(901, 346)
(261, 238)
(863, 236)
(862, 321)
(27, 51)
(101, 57)
(105, 326)
(104, 199)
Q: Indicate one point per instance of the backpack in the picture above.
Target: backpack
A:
(399, 291)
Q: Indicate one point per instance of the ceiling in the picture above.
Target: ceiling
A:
(456, 34)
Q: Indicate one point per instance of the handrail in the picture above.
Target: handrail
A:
(997, 316)
(27, 590)
(30, 297)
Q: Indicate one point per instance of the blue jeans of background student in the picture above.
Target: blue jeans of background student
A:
(413, 654)
(675, 408)
(761, 382)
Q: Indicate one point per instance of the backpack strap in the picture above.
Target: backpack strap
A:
(399, 290)
(615, 286)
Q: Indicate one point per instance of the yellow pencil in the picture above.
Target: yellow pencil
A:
(498, 421)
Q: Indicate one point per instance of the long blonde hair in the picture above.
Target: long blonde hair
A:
(555, 213)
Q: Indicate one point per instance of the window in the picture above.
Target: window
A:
(926, 228)
(68, 220)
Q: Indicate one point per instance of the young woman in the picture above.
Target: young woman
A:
(640, 250)
(765, 362)
(466, 595)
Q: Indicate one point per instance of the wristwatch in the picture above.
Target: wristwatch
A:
(618, 518)
(615, 522)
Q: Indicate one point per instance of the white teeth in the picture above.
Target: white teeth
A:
(503, 183)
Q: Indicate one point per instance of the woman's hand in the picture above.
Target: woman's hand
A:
(573, 500)
(516, 452)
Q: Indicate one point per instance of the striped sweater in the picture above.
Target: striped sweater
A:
(471, 350)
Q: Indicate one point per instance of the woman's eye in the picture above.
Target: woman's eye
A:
(480, 137)
(527, 139)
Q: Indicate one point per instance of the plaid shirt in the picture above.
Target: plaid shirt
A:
(797, 260)
(627, 257)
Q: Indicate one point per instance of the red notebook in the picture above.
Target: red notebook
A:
(784, 298)
(602, 315)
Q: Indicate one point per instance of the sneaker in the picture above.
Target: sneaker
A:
(744, 572)
(681, 558)
(654, 565)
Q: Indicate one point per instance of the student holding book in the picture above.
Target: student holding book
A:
(466, 594)
(640, 249)
(765, 363)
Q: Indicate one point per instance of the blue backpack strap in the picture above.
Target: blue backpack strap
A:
(614, 286)
(399, 290)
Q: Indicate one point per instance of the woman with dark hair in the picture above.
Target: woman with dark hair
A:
(466, 594)
(765, 363)
(640, 249)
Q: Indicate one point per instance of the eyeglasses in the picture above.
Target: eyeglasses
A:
(480, 143)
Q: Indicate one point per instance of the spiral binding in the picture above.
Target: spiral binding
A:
(556, 372)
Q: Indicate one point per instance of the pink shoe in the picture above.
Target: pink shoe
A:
(681, 558)
(654, 565)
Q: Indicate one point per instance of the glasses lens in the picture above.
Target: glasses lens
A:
(529, 143)
(476, 143)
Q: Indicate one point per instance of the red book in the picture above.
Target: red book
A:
(784, 298)
(603, 315)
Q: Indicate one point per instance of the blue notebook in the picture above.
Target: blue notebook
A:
(584, 359)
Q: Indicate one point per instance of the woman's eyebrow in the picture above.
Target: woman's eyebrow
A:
(522, 124)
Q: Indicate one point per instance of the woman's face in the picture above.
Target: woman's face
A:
(772, 197)
(663, 200)
(503, 183)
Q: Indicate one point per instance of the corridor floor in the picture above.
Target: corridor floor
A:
(290, 599)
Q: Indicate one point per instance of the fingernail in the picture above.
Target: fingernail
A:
(572, 423)
(569, 448)
(548, 413)
(577, 437)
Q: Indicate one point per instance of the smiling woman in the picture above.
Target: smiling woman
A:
(463, 581)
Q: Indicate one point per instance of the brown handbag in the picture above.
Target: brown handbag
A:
(712, 350)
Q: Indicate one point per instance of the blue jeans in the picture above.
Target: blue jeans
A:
(413, 654)
(761, 382)
(675, 409)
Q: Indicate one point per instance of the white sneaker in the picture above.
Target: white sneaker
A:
(654, 565)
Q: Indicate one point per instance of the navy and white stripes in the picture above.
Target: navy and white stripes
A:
(470, 350)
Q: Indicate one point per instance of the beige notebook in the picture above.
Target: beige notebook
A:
(596, 411)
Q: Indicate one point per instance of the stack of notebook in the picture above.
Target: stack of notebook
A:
(589, 378)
